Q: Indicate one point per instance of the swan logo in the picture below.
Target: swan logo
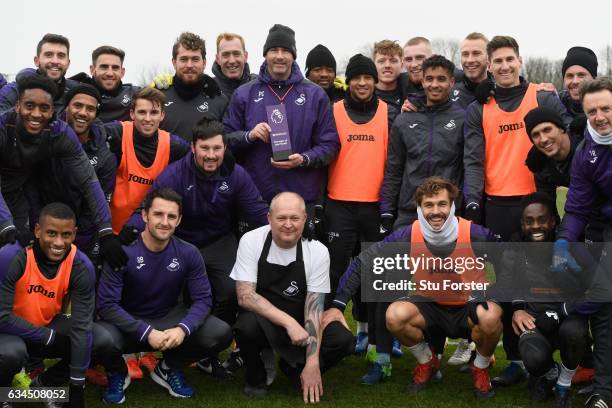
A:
(593, 155)
(223, 187)
(292, 289)
(301, 100)
(126, 100)
(203, 107)
(450, 125)
(174, 265)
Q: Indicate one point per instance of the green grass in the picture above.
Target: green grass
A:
(341, 387)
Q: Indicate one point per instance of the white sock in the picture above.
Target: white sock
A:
(371, 347)
(481, 361)
(421, 352)
(552, 373)
(565, 376)
(362, 327)
(519, 362)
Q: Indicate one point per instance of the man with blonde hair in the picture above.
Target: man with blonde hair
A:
(416, 50)
(231, 68)
(387, 56)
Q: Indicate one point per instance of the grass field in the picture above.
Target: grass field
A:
(341, 387)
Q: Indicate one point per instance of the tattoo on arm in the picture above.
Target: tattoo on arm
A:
(247, 297)
(313, 311)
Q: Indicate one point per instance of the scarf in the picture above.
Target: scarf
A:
(605, 140)
(447, 234)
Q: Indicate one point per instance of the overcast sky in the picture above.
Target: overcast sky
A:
(146, 30)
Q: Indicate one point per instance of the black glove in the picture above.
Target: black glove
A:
(386, 225)
(77, 396)
(128, 234)
(319, 222)
(484, 90)
(110, 247)
(473, 213)
(8, 236)
(25, 238)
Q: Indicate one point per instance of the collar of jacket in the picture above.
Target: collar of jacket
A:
(295, 77)
(109, 94)
(471, 86)
(574, 107)
(357, 106)
(206, 84)
(421, 105)
(226, 168)
(61, 86)
(508, 93)
(246, 73)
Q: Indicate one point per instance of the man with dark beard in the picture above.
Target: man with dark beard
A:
(192, 94)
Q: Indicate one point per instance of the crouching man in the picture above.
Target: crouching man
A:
(439, 233)
(281, 282)
(139, 304)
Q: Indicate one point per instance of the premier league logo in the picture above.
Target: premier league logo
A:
(277, 117)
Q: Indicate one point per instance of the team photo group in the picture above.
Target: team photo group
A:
(239, 224)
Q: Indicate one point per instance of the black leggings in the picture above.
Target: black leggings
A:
(212, 337)
(571, 338)
(15, 352)
(336, 343)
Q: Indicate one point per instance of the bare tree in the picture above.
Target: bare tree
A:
(365, 49)
(605, 60)
(543, 70)
(448, 47)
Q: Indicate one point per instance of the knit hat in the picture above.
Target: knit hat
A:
(320, 56)
(83, 89)
(281, 36)
(542, 114)
(359, 64)
(582, 56)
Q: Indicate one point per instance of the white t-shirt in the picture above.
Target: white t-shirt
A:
(314, 253)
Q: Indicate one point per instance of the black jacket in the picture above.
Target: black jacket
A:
(227, 85)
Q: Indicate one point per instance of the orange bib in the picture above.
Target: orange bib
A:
(133, 180)
(506, 148)
(38, 299)
(443, 279)
(358, 171)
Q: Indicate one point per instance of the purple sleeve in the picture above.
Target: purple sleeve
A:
(252, 205)
(325, 142)
(199, 291)
(579, 201)
(110, 288)
(6, 218)
(350, 281)
(8, 96)
(234, 121)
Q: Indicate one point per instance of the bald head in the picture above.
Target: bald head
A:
(287, 218)
(287, 199)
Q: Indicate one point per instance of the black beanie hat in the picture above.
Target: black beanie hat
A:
(281, 36)
(359, 64)
(83, 89)
(320, 56)
(582, 56)
(542, 114)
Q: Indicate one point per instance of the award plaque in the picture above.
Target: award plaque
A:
(279, 136)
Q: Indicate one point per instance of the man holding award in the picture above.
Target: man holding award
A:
(280, 125)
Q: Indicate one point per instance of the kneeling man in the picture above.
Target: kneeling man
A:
(281, 282)
(139, 304)
(438, 233)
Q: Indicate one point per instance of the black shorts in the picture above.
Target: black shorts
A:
(448, 321)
